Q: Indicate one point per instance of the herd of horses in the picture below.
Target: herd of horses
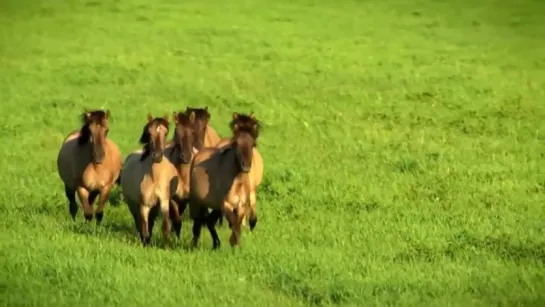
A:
(215, 177)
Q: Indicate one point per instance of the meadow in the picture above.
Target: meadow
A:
(404, 149)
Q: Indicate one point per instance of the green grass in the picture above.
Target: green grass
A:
(403, 144)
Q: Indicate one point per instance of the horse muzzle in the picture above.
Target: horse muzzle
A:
(245, 168)
(157, 157)
(98, 158)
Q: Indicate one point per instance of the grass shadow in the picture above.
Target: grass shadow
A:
(116, 197)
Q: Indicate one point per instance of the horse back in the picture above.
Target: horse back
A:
(71, 136)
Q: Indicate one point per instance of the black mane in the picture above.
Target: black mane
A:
(145, 138)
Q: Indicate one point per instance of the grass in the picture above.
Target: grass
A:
(403, 144)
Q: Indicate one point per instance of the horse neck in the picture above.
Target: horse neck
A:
(230, 167)
(211, 137)
(183, 169)
(90, 147)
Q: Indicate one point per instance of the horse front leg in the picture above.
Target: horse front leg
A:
(198, 215)
(175, 217)
(253, 215)
(165, 210)
(72, 204)
(103, 198)
(211, 224)
(233, 217)
(144, 231)
(83, 195)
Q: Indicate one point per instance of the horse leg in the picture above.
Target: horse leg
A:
(165, 210)
(144, 216)
(253, 216)
(175, 218)
(72, 204)
(151, 219)
(136, 219)
(211, 223)
(197, 225)
(92, 197)
(232, 217)
(179, 206)
(104, 193)
(83, 195)
(243, 221)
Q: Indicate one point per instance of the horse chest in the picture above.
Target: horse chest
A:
(151, 192)
(238, 195)
(92, 180)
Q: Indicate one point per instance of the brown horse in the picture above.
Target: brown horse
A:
(225, 179)
(208, 137)
(89, 163)
(180, 152)
(149, 181)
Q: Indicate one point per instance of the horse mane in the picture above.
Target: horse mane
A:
(183, 118)
(146, 137)
(87, 118)
(200, 113)
(247, 124)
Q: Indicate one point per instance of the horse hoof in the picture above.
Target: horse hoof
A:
(216, 245)
(99, 216)
(194, 244)
(178, 230)
(233, 240)
(253, 223)
(88, 217)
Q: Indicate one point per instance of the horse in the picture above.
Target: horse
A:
(89, 164)
(150, 181)
(225, 179)
(179, 152)
(210, 137)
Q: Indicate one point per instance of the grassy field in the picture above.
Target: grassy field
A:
(404, 148)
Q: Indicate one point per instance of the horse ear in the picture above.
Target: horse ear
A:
(86, 116)
(108, 113)
(175, 117)
(252, 115)
(150, 117)
(206, 108)
(235, 115)
(165, 117)
(192, 117)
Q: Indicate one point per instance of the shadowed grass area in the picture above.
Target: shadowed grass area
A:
(403, 144)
